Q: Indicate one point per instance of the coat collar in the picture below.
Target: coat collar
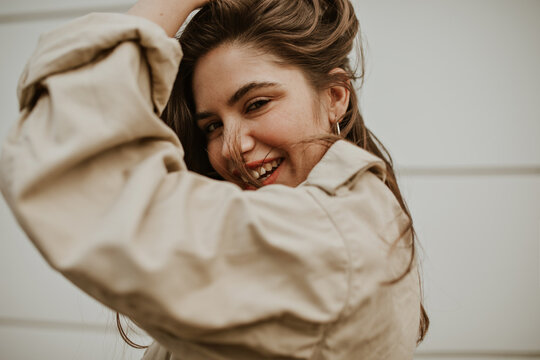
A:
(342, 163)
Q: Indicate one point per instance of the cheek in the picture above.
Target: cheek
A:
(289, 125)
(214, 155)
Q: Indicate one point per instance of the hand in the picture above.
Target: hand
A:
(169, 14)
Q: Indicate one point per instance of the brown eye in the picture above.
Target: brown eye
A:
(213, 126)
(257, 104)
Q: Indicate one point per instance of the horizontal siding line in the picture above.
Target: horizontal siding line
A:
(36, 15)
(52, 324)
(469, 171)
(478, 354)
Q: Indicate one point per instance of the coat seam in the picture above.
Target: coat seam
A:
(348, 275)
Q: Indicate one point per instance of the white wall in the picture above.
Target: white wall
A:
(453, 90)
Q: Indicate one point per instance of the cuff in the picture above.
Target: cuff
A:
(82, 40)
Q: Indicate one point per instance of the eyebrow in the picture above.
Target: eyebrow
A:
(238, 95)
(247, 88)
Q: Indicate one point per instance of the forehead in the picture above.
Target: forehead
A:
(225, 69)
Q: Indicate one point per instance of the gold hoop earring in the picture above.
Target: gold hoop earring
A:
(338, 129)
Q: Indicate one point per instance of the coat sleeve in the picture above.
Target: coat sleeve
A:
(98, 183)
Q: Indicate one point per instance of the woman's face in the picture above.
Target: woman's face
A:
(244, 95)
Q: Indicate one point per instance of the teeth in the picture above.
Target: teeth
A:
(263, 170)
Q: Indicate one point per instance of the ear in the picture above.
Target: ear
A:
(338, 99)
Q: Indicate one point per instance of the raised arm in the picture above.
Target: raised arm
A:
(98, 183)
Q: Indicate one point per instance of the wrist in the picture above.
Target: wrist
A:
(169, 14)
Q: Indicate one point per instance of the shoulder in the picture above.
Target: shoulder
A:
(349, 184)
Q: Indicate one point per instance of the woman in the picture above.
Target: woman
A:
(318, 263)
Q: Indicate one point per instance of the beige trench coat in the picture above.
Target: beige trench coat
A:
(98, 183)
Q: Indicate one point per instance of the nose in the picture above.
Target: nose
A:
(237, 141)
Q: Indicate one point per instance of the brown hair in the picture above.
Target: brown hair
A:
(316, 36)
